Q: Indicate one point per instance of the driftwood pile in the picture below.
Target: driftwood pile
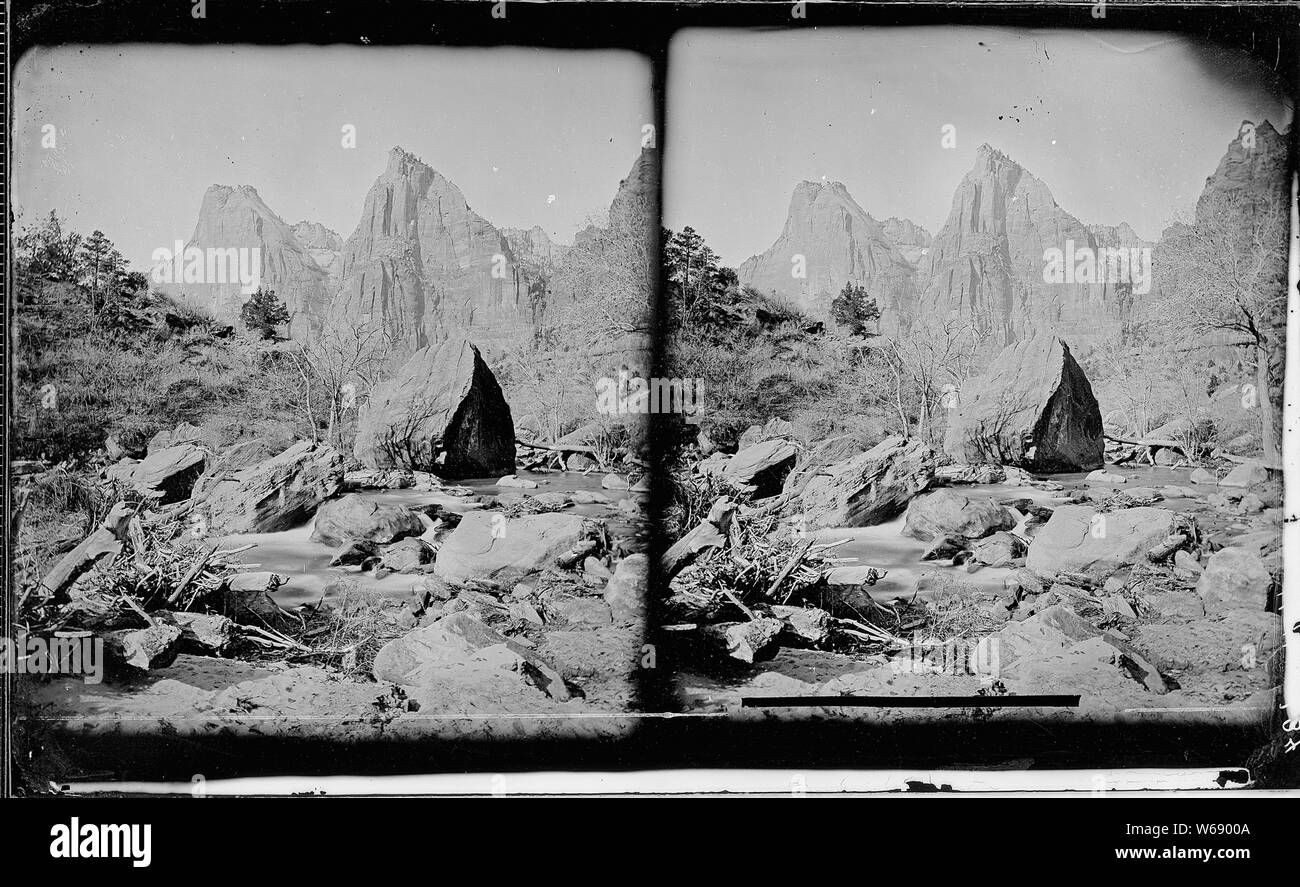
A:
(147, 585)
(744, 583)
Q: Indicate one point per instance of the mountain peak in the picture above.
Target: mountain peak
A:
(987, 152)
(401, 161)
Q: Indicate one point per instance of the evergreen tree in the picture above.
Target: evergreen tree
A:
(263, 312)
(854, 310)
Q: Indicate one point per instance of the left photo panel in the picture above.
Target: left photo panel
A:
(321, 361)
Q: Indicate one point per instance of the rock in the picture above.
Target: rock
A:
(246, 597)
(513, 480)
(587, 497)
(999, 550)
(1201, 476)
(1079, 539)
(443, 412)
(945, 547)
(1057, 628)
(490, 547)
(1232, 578)
(1232, 640)
(575, 609)
(1250, 504)
(167, 474)
(949, 512)
(614, 482)
(1185, 560)
(1175, 604)
(808, 624)
(1033, 408)
(1023, 583)
(1247, 474)
(580, 462)
(407, 555)
(184, 433)
(594, 568)
(627, 591)
(554, 500)
(749, 642)
(144, 648)
(761, 467)
(817, 460)
(203, 634)
(525, 611)
(269, 495)
(355, 518)
(773, 428)
(871, 487)
(1114, 603)
(413, 659)
(354, 553)
(1105, 477)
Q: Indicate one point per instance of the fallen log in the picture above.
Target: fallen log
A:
(562, 449)
(712, 532)
(1153, 446)
(1270, 464)
(1167, 547)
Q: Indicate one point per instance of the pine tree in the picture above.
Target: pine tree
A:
(263, 312)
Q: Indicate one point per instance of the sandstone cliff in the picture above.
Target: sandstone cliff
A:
(912, 240)
(426, 266)
(237, 218)
(839, 242)
(987, 262)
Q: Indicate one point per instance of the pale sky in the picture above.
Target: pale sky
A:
(142, 131)
(1120, 126)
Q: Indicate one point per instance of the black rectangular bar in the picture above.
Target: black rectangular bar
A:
(1044, 701)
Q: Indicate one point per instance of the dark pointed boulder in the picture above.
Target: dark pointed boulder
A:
(1033, 408)
(444, 404)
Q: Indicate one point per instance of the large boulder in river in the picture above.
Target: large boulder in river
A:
(267, 496)
(1033, 408)
(871, 487)
(948, 512)
(1079, 539)
(444, 403)
(354, 518)
(490, 547)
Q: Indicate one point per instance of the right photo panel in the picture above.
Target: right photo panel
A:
(986, 332)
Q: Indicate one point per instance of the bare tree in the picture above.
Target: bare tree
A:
(336, 369)
(1222, 281)
(928, 364)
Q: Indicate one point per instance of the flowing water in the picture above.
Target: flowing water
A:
(292, 553)
(885, 547)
